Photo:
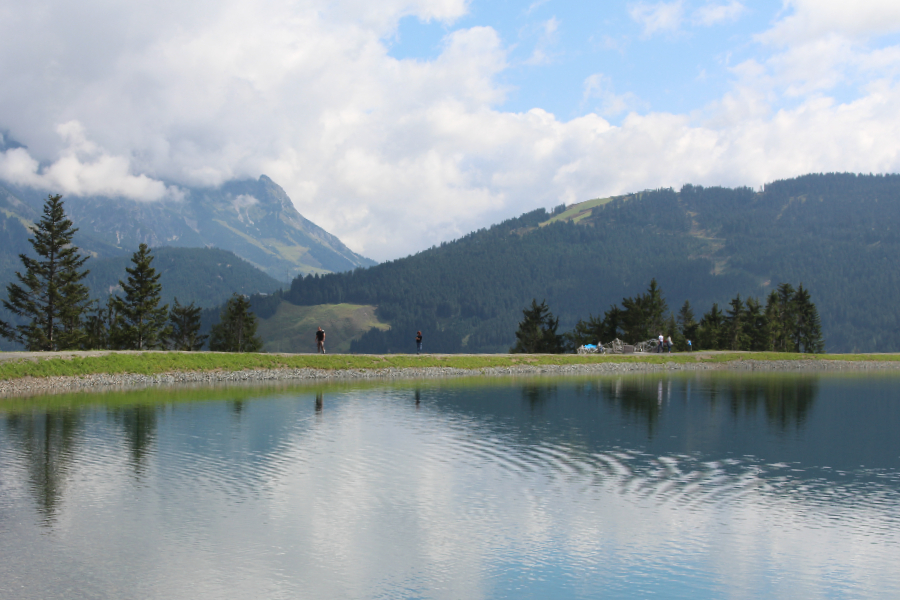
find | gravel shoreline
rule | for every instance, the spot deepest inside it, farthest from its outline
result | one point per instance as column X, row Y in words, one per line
column 98, row 382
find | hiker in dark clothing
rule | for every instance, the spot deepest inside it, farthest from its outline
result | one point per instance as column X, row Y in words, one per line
column 418, row 342
column 320, row 341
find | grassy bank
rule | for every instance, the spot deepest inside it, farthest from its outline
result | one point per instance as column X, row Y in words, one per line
column 151, row 363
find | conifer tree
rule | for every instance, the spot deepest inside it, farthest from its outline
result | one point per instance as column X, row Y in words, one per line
column 100, row 325
column 687, row 325
column 595, row 330
column 710, row 332
column 656, row 308
column 611, row 324
column 537, row 331
column 734, row 334
column 671, row 330
column 236, row 329
column 772, row 321
column 756, row 326
column 784, row 320
column 50, row 295
column 141, row 323
column 644, row 316
column 184, row 327
column 585, row 332
column 808, row 333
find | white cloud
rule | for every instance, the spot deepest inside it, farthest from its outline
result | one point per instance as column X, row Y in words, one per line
column 815, row 18
column 396, row 155
column 534, row 6
column 84, row 169
column 549, row 34
column 600, row 87
column 668, row 17
column 818, row 47
column 714, row 13
column 658, row 17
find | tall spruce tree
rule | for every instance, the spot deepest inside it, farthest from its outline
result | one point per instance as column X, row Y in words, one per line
column 808, row 333
column 141, row 323
column 184, row 327
column 772, row 322
column 756, row 326
column 735, row 332
column 687, row 324
column 644, row 316
column 710, row 331
column 537, row 331
column 236, row 329
column 51, row 297
column 784, row 319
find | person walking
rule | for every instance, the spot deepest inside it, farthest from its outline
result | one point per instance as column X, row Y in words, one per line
column 320, row 341
column 669, row 341
column 418, row 342
column 659, row 346
column 690, row 347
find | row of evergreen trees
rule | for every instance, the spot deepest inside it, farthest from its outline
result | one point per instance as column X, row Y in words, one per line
column 789, row 322
column 56, row 311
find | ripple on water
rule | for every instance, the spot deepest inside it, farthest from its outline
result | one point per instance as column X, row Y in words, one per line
column 369, row 497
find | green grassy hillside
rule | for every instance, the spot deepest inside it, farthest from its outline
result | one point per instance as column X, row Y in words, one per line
column 292, row 328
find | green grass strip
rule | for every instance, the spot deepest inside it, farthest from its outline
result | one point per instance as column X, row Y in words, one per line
column 152, row 363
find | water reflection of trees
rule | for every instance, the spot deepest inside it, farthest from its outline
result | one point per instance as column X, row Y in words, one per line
column 536, row 393
column 787, row 400
column 138, row 425
column 47, row 443
column 642, row 399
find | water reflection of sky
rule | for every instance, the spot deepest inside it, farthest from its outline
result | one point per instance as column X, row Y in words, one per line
column 694, row 487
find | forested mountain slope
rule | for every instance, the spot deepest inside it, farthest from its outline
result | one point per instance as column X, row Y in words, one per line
column 837, row 234
column 205, row 276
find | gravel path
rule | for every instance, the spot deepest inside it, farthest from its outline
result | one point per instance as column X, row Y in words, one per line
column 30, row 386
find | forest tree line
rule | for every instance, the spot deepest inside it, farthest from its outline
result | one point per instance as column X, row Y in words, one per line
column 55, row 311
column 787, row 322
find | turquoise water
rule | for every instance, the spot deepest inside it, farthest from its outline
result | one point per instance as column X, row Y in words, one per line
column 725, row 486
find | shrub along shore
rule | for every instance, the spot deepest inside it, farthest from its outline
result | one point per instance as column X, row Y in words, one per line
column 23, row 372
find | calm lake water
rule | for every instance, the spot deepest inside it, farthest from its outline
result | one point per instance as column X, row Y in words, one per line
column 706, row 486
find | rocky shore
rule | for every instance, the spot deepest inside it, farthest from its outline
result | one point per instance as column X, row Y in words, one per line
column 42, row 385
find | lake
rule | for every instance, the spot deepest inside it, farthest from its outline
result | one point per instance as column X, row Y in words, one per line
column 718, row 485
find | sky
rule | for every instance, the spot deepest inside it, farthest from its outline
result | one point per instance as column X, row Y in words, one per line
column 400, row 124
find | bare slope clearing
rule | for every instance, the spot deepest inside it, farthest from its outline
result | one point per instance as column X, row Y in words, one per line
column 579, row 211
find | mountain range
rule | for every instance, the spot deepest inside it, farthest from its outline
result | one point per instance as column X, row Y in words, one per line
column 255, row 219
column 837, row 234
